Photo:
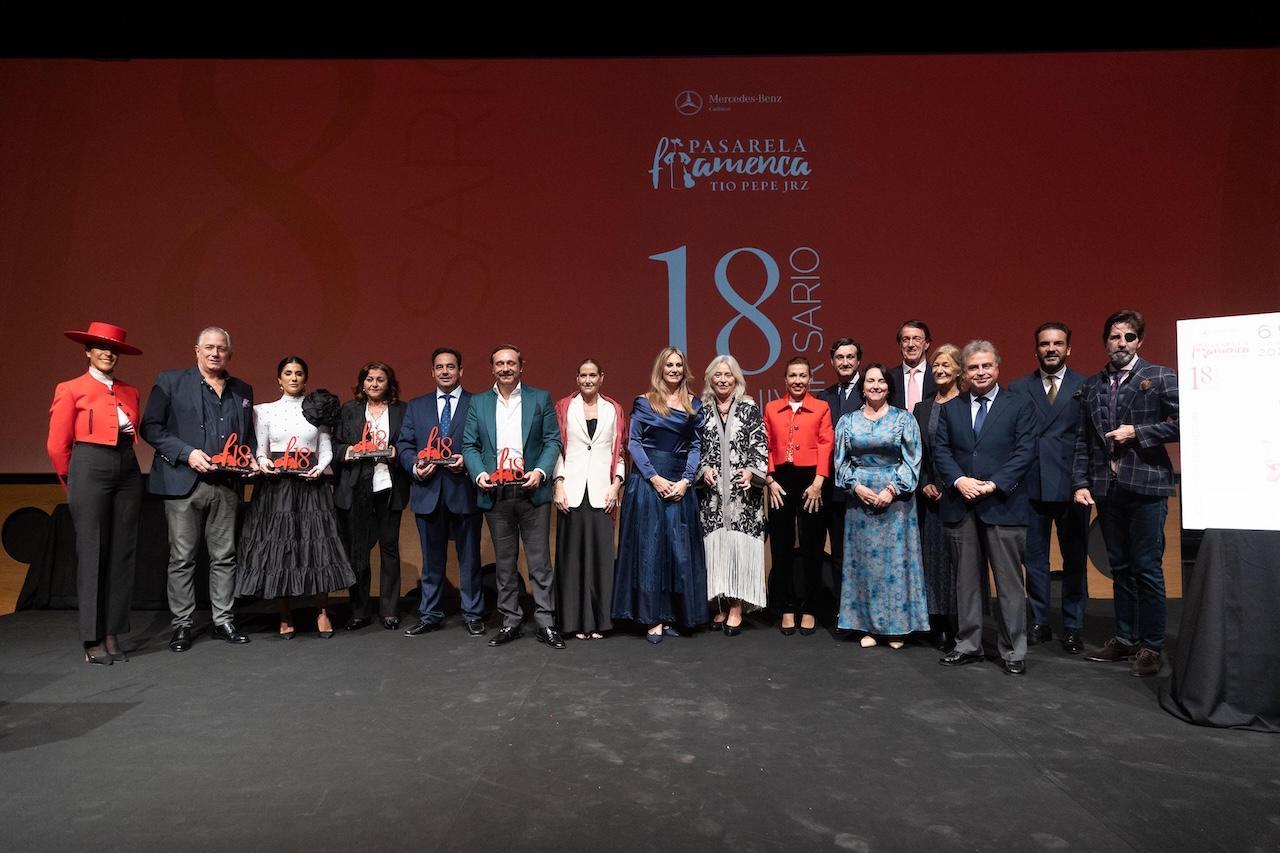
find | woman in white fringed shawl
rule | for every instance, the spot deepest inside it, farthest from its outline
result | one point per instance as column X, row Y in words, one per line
column 731, row 495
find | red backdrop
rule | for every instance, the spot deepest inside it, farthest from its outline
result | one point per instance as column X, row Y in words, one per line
column 348, row 211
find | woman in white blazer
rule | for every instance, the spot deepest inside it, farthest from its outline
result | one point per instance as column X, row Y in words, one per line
column 588, row 487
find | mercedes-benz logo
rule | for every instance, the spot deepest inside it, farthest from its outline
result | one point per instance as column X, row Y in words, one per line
column 688, row 103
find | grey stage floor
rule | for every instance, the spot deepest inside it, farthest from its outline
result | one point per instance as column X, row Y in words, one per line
column 762, row 742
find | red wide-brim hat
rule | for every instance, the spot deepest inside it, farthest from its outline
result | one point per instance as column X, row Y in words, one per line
column 105, row 333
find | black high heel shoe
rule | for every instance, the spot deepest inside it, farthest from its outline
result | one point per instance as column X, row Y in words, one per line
column 98, row 656
column 118, row 656
column 787, row 632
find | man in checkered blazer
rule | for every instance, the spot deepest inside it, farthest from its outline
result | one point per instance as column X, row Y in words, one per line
column 1129, row 414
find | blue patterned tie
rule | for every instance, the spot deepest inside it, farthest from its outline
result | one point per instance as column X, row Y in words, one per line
column 982, row 416
column 446, row 417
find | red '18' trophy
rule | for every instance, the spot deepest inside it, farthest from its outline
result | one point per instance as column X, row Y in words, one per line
column 234, row 456
column 510, row 468
column 372, row 444
column 294, row 459
column 439, row 449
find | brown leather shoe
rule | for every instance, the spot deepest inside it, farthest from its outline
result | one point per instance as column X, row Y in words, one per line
column 1146, row 663
column 1113, row 651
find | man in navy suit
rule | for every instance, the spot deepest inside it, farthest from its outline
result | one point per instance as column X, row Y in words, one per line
column 842, row 397
column 986, row 442
column 1054, row 389
column 912, row 380
column 1130, row 412
column 442, row 496
column 190, row 416
column 510, row 443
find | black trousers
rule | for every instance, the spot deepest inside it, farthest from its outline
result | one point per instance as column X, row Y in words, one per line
column 793, row 590
column 371, row 521
column 104, row 490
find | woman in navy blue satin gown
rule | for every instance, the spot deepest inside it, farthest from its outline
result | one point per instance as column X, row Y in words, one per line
column 661, row 574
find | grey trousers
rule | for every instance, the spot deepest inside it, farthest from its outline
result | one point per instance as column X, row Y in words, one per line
column 208, row 512
column 512, row 520
column 973, row 545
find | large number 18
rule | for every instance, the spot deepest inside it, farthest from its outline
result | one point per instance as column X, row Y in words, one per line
column 677, row 302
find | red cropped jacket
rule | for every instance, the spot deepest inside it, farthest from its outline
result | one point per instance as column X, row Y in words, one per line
column 85, row 410
column 807, row 433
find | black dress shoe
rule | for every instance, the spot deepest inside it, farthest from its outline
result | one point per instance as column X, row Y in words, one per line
column 1038, row 634
column 358, row 622
column 732, row 630
column 717, row 626
column 390, row 623
column 181, row 639
column 955, row 657
column 475, row 627
column 1071, row 641
column 506, row 634
column 551, row 637
column 422, row 628
column 1015, row 667
column 228, row 633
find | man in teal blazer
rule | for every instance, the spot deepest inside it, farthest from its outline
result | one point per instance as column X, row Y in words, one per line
column 510, row 444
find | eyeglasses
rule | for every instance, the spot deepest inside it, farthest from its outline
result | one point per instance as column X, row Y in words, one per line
column 1129, row 337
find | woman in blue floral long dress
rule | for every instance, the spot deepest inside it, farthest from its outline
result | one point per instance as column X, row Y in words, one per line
column 878, row 466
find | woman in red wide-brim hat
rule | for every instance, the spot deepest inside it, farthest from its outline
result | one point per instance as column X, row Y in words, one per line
column 93, row 425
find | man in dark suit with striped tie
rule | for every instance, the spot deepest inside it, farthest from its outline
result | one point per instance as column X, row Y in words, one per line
column 842, row 396
column 986, row 442
column 1122, row 467
column 1054, row 389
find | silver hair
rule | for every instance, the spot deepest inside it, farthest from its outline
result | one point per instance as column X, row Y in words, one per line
column 975, row 347
column 740, row 386
column 214, row 330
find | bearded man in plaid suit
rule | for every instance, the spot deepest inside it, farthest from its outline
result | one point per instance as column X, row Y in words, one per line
column 1121, row 465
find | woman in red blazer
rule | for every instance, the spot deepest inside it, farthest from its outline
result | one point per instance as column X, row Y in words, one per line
column 800, row 443
column 93, row 425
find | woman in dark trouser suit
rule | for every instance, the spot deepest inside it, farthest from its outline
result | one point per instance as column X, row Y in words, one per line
column 371, row 493
column 93, row 424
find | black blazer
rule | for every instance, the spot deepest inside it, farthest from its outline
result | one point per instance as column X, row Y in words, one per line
column 928, row 476
column 350, row 427
column 173, row 424
column 928, row 387
column 831, row 396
